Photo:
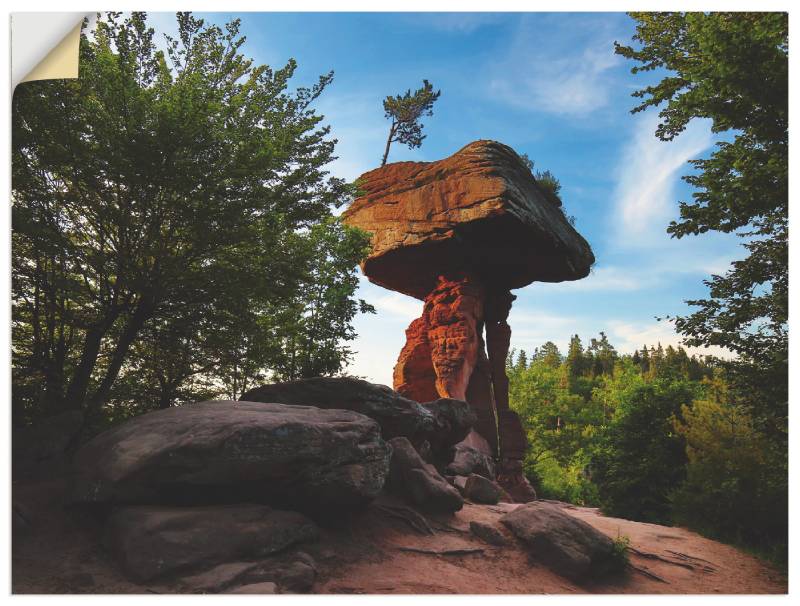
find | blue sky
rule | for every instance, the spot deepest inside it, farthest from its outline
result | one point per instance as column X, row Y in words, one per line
column 548, row 85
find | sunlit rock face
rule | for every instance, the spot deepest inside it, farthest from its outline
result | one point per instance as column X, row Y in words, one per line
column 460, row 234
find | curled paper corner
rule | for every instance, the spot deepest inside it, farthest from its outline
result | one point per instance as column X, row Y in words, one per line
column 45, row 46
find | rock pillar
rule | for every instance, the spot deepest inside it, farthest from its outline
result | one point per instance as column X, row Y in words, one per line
column 445, row 356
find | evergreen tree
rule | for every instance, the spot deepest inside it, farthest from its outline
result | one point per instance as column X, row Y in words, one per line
column 405, row 112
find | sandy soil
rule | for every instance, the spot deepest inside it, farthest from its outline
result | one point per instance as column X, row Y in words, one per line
column 376, row 552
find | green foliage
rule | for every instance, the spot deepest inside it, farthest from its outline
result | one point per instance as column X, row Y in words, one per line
column 405, row 112
column 733, row 69
column 641, row 459
column 620, row 554
column 735, row 486
column 172, row 226
column 657, row 436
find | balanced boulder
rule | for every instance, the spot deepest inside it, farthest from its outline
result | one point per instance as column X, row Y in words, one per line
column 151, row 541
column 297, row 457
column 566, row 544
column 460, row 234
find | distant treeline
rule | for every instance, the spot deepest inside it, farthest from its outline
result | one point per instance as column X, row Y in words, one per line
column 657, row 436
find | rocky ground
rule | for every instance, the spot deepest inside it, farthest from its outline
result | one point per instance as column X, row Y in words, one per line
column 366, row 492
column 381, row 550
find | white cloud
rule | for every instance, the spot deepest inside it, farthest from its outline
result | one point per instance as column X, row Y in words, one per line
column 630, row 336
column 541, row 75
column 607, row 278
column 397, row 305
column 649, row 171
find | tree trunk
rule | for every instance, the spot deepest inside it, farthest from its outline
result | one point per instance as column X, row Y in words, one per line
column 388, row 143
column 79, row 385
column 135, row 323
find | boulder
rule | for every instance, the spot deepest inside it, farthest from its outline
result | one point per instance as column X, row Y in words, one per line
column 296, row 574
column 469, row 460
column 216, row 579
column 442, row 422
column 151, row 541
column 454, row 420
column 293, row 456
column 418, row 482
column 569, row 546
column 256, row 588
column 460, row 482
column 293, row 573
column 480, row 209
column 397, row 415
column 488, row 533
column 482, row 490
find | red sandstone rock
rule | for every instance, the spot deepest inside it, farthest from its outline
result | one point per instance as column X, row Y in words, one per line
column 480, row 210
column 459, row 234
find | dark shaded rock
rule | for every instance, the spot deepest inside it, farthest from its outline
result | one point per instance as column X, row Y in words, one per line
column 454, row 420
column 397, row 415
column 482, row 490
column 293, row 456
column 419, row 483
column 256, row 588
column 21, row 519
column 80, row 581
column 149, row 541
column 469, row 460
column 291, row 573
column 460, row 482
column 217, row 578
column 488, row 533
column 569, row 546
column 437, row 425
column 513, row 480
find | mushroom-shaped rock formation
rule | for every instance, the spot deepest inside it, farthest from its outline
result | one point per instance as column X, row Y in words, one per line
column 460, row 234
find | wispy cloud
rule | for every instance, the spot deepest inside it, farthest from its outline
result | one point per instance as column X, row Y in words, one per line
column 461, row 23
column 630, row 336
column 566, row 75
column 398, row 306
column 608, row 278
column 649, row 173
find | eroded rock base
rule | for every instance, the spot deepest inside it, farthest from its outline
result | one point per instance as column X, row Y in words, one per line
column 458, row 349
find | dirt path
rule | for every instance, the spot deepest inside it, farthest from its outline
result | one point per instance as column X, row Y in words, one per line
column 375, row 552
column 664, row 560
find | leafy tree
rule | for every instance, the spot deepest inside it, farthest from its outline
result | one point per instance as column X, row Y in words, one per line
column 641, row 459
column 163, row 208
column 735, row 485
column 733, row 69
column 405, row 112
column 316, row 344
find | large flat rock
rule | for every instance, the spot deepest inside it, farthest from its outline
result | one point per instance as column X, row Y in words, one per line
column 397, row 416
column 479, row 210
column 153, row 541
column 442, row 423
column 295, row 456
